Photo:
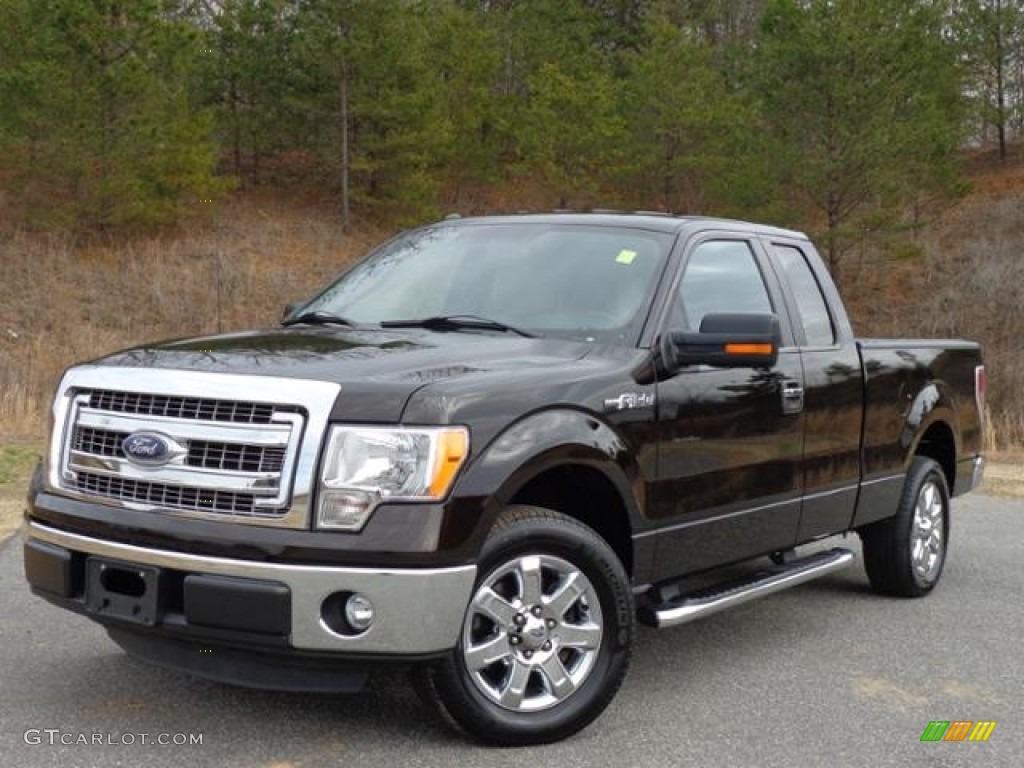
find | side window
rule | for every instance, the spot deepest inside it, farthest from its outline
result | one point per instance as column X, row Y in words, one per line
column 721, row 276
column 810, row 302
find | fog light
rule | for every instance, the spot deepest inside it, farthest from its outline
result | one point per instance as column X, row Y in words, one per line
column 359, row 612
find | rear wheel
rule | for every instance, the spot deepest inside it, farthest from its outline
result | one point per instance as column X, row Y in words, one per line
column 547, row 635
column 904, row 555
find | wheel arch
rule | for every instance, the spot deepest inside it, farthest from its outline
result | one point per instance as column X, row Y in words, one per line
column 568, row 461
column 930, row 429
column 938, row 442
column 585, row 493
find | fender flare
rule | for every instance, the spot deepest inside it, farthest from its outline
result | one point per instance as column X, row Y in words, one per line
column 544, row 440
column 932, row 404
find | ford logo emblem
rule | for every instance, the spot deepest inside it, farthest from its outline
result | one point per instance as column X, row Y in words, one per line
column 148, row 448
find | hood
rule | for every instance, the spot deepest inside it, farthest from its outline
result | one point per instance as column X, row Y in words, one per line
column 378, row 370
column 343, row 355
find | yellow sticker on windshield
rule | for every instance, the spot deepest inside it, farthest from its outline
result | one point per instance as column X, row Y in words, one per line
column 625, row 256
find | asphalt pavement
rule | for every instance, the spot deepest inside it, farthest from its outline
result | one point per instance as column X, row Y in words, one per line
column 825, row 674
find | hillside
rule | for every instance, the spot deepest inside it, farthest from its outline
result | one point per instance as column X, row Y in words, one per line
column 65, row 299
column 963, row 276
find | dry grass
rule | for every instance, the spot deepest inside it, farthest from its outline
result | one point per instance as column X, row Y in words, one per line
column 967, row 282
column 16, row 464
column 63, row 301
column 1004, row 477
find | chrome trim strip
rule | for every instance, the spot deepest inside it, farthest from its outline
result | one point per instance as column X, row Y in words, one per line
column 210, row 431
column 417, row 610
column 832, row 492
column 687, row 611
column 887, row 479
column 716, row 518
column 748, row 510
column 301, row 435
column 193, row 477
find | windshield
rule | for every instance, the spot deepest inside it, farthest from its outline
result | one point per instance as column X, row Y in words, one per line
column 569, row 281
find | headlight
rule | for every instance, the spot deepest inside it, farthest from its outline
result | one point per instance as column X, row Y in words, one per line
column 365, row 465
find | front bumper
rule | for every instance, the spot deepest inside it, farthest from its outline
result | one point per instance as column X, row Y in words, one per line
column 418, row 612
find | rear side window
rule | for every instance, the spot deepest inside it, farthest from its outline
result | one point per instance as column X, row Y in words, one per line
column 810, row 302
column 721, row 276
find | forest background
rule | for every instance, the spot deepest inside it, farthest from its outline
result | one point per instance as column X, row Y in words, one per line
column 177, row 167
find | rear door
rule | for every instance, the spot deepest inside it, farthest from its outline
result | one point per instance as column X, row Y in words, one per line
column 833, row 390
column 730, row 441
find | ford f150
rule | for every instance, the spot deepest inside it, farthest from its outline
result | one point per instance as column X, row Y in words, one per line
column 487, row 451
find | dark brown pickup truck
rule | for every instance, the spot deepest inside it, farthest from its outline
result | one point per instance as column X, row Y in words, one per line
column 489, row 449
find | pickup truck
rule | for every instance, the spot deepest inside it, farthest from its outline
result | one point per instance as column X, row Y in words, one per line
column 491, row 448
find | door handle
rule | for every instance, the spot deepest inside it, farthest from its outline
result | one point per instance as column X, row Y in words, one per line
column 792, row 397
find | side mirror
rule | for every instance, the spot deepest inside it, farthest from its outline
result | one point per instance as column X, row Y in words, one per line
column 724, row 341
column 290, row 307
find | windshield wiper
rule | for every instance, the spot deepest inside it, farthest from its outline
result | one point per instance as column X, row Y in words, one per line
column 456, row 322
column 318, row 317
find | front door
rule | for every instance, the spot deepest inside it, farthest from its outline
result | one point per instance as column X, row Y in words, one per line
column 730, row 452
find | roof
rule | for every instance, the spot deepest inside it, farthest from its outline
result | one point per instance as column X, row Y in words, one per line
column 658, row 222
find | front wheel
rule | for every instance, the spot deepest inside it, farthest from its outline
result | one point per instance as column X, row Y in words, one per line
column 547, row 634
column 904, row 555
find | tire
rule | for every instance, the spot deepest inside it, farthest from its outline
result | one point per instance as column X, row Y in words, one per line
column 547, row 635
column 904, row 555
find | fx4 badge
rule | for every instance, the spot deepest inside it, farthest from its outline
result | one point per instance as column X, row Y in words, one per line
column 629, row 400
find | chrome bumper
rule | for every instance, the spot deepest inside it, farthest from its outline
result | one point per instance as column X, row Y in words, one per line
column 418, row 611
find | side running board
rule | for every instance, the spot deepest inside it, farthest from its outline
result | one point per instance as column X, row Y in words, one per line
column 695, row 605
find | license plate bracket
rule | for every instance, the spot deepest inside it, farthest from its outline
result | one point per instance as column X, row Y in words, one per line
column 122, row 590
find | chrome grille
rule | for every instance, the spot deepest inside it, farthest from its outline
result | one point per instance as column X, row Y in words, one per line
column 99, row 442
column 202, row 454
column 225, row 457
column 166, row 495
column 241, row 448
column 191, row 408
column 241, row 458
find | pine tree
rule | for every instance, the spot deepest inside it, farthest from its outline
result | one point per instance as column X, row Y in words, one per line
column 861, row 99
column 991, row 35
column 98, row 126
column 693, row 138
column 377, row 101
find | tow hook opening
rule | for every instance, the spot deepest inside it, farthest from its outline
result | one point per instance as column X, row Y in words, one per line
column 121, row 581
